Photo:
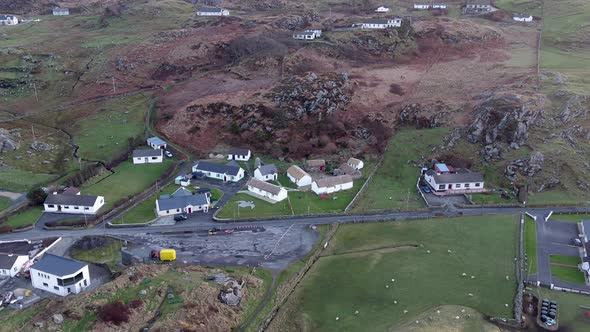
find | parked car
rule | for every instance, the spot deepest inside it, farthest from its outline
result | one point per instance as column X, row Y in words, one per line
column 214, row 231
column 426, row 189
column 576, row 242
column 168, row 154
column 180, row 217
column 550, row 321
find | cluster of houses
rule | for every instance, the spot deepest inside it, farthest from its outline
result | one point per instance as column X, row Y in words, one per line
column 57, row 11
column 8, row 20
column 430, row 5
column 212, row 11
column 48, row 272
column 443, row 179
column 584, row 231
column 309, row 34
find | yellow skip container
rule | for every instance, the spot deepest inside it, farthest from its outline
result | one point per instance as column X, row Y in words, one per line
column 167, row 254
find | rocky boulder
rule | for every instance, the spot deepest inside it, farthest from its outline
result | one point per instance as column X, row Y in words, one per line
column 7, row 141
column 526, row 168
column 503, row 118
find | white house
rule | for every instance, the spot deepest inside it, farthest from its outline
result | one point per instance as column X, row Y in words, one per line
column 584, row 231
column 239, row 154
column 522, row 17
column 443, row 179
column 355, row 163
column 382, row 9
column 421, row 5
column 268, row 190
column 309, row 34
column 73, row 203
column 60, row 275
column 183, row 201
column 439, row 5
column 156, row 143
column 298, row 176
column 212, row 11
column 10, row 264
column 478, row 6
column 218, row 171
column 267, row 173
column 8, row 20
column 61, row 11
column 332, row 184
column 148, row 156
column 379, row 23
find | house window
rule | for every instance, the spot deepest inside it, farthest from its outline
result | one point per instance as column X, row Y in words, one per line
column 478, row 184
column 55, row 287
column 45, row 284
column 76, row 208
column 86, row 208
column 467, row 185
column 66, row 207
column 85, row 283
column 177, row 210
column 154, row 158
column 50, row 206
column 441, row 186
column 457, row 185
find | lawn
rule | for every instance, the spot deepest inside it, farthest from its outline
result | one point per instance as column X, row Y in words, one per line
column 570, row 217
column 394, row 185
column 491, row 198
column 530, row 244
column 128, row 180
column 29, row 217
column 262, row 209
column 571, row 316
column 146, row 210
column 568, row 274
column 21, row 181
column 426, row 258
column 110, row 254
column 5, row 202
column 571, row 260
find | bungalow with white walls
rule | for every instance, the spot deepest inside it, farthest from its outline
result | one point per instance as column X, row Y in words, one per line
column 522, row 17
column 8, row 20
column 239, row 154
column 380, row 23
column 382, row 9
column 267, row 173
column 298, row 176
column 217, row 171
column 212, row 11
column 268, row 190
column 73, row 203
column 15, row 256
column 309, row 34
column 10, row 264
column 148, row 156
column 478, row 6
column 332, row 184
column 156, row 143
column 355, row 163
column 61, row 11
column 584, row 231
column 421, row 5
column 60, row 275
column 439, row 5
column 444, row 179
column 183, row 201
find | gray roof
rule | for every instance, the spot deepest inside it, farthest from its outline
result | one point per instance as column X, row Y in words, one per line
column 147, row 153
column 6, row 17
column 57, row 265
column 462, row 175
column 57, row 9
column 268, row 169
column 181, row 192
column 210, row 10
column 80, row 200
column 7, row 261
column 205, row 166
column 521, row 15
column 179, row 202
column 375, row 21
column 238, row 151
column 305, row 33
column 479, row 2
column 156, row 140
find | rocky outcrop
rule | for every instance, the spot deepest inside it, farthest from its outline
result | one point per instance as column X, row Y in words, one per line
column 231, row 294
column 503, row 118
column 292, row 22
column 527, row 168
column 576, row 106
column 8, row 141
column 424, row 116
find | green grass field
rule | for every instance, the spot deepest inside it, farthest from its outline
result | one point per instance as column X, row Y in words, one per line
column 128, row 180
column 570, row 217
column 357, row 270
column 530, row 244
column 571, row 260
column 568, row 274
column 571, row 315
column 5, row 202
column 394, row 185
column 110, row 254
column 29, row 217
column 21, row 181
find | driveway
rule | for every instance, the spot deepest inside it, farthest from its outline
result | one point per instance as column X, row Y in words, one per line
column 49, row 216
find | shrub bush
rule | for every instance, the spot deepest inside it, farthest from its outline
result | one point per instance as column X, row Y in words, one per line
column 116, row 313
column 6, row 229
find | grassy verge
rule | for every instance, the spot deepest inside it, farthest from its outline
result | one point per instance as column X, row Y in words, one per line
column 20, row 180
column 560, row 259
column 568, row 274
column 128, row 180
column 29, row 217
column 394, row 185
column 356, row 274
column 530, row 244
column 489, row 199
column 571, row 315
column 15, row 320
column 5, row 202
column 570, row 217
column 110, row 254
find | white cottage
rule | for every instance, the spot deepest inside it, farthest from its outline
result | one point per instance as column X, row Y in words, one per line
column 148, row 156
column 73, row 203
column 298, row 176
column 212, row 11
column 421, row 5
column 10, row 264
column 379, row 23
column 8, row 20
column 355, row 163
column 307, row 34
column 156, row 143
column 439, row 5
column 16, row 256
column 522, row 17
column 223, row 172
column 332, row 184
column 183, row 201
column 478, row 6
column 268, row 190
column 239, row 154
column 60, row 275
column 382, row 9
column 453, row 181
column 267, row 173
column 61, row 11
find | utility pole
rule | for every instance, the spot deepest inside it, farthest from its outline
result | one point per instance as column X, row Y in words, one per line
column 114, row 87
column 35, row 88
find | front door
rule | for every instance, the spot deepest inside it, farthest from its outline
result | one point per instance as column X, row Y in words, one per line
column 59, row 208
column 189, row 209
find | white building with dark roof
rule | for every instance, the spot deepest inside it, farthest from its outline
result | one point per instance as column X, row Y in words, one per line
column 60, row 275
column 156, row 143
column 355, row 163
column 478, row 6
column 267, row 190
column 309, row 34
column 522, row 17
column 8, row 20
column 224, row 172
column 239, row 154
column 212, row 11
column 73, row 203
column 148, row 156
column 16, row 256
column 382, row 9
column 61, row 11
column 332, row 184
column 267, row 173
column 380, row 23
column 10, row 264
column 443, row 179
column 421, row 5
column 183, row 201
